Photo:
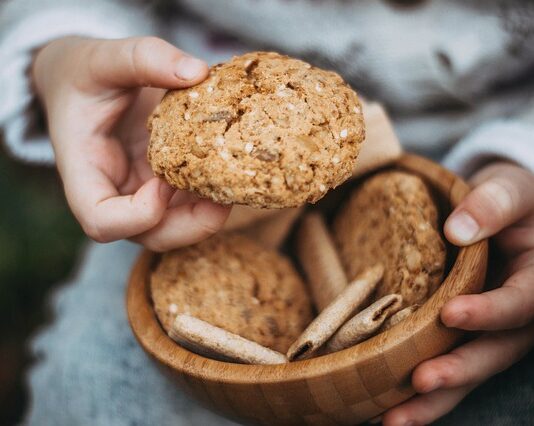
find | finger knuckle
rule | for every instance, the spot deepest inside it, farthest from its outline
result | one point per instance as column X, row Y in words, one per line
column 205, row 226
column 497, row 197
column 93, row 53
column 480, row 310
column 453, row 369
column 481, row 304
column 155, row 246
column 140, row 52
column 524, row 260
column 148, row 44
column 149, row 215
column 206, row 229
column 93, row 231
column 523, row 311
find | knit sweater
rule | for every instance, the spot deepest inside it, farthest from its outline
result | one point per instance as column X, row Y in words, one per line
column 456, row 77
column 451, row 73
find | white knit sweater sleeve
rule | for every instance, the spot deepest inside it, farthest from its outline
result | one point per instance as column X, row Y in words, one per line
column 510, row 139
column 28, row 24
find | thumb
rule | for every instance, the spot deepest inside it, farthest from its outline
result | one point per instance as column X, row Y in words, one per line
column 143, row 62
column 502, row 196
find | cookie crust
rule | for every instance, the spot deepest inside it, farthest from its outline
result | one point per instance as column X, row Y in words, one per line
column 263, row 130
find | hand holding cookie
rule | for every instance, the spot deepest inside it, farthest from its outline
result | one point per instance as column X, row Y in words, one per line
column 97, row 128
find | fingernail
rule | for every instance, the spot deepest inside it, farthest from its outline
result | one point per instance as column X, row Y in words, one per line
column 165, row 191
column 463, row 227
column 189, row 68
column 436, row 384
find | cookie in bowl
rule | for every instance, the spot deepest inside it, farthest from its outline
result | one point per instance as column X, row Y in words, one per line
column 233, row 283
column 392, row 218
column 350, row 385
column 263, row 129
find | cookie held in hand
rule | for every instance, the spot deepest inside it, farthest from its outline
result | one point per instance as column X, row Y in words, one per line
column 236, row 284
column 263, row 130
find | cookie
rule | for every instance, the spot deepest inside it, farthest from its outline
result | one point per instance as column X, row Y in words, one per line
column 263, row 130
column 233, row 283
column 319, row 260
column 214, row 342
column 365, row 323
column 391, row 218
column 335, row 314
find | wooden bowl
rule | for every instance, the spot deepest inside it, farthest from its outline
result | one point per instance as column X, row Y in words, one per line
column 342, row 388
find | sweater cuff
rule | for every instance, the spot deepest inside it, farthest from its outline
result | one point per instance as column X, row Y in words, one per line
column 506, row 139
column 18, row 113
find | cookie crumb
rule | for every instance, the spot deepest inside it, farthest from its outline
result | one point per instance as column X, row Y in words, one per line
column 187, row 116
column 249, row 146
column 199, row 140
column 225, row 155
column 209, row 89
column 335, row 159
column 343, row 134
column 275, row 180
column 173, row 308
column 219, row 140
column 266, row 155
column 194, row 95
column 250, row 172
column 413, row 260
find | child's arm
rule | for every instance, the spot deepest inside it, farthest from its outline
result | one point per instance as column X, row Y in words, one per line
column 501, row 204
column 27, row 25
column 97, row 97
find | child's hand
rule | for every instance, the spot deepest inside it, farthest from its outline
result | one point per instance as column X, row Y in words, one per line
column 97, row 98
column 501, row 204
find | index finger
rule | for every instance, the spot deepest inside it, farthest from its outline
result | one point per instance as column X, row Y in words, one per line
column 104, row 214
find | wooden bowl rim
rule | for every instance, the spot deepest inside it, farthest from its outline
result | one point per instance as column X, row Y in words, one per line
column 155, row 341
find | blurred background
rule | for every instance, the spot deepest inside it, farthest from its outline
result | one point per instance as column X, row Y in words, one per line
column 39, row 243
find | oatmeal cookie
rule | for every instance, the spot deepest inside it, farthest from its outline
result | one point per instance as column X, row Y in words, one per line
column 263, row 129
column 392, row 218
column 233, row 283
